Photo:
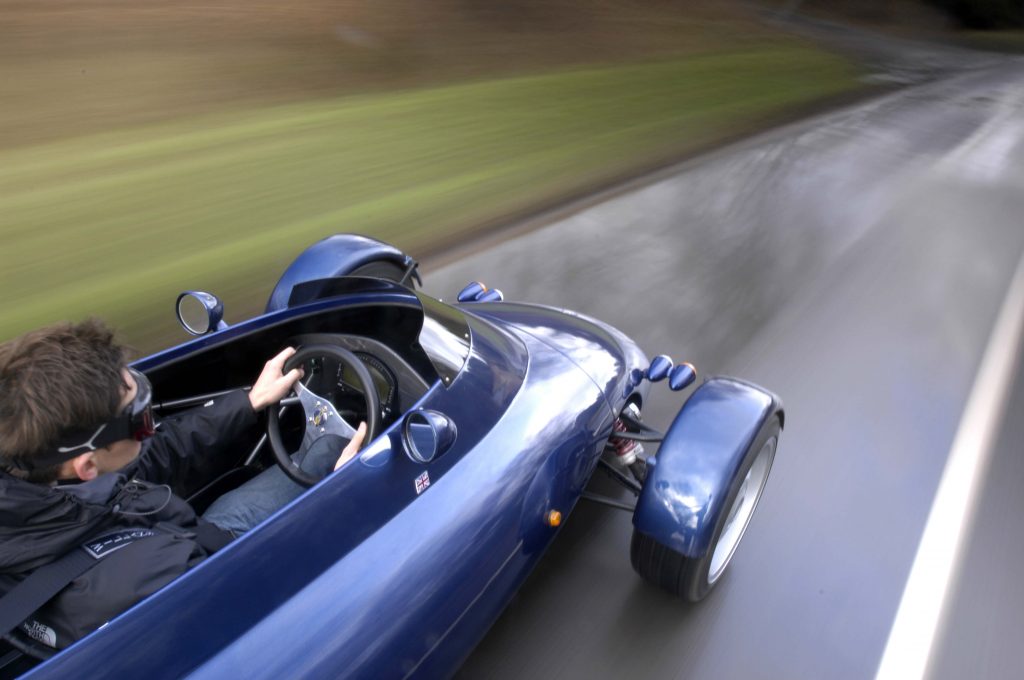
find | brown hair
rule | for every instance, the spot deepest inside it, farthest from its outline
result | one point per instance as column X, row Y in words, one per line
column 54, row 379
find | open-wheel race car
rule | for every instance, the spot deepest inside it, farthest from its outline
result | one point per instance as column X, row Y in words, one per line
column 486, row 419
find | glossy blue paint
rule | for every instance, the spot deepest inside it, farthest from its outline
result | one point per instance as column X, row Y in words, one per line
column 681, row 377
column 603, row 352
column 659, row 368
column 471, row 291
column 685, row 490
column 336, row 255
column 362, row 575
column 413, row 598
column 369, row 574
column 492, row 295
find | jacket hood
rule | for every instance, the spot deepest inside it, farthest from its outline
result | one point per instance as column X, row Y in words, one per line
column 40, row 522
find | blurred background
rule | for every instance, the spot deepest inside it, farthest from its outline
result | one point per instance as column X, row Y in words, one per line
column 152, row 147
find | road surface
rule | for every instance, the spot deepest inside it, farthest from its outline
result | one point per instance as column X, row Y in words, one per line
column 855, row 264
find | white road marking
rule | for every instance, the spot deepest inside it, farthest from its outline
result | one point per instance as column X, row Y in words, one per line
column 921, row 613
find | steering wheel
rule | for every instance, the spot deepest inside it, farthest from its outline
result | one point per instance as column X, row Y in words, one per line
column 321, row 417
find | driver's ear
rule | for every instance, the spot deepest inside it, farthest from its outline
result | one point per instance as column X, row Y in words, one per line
column 84, row 466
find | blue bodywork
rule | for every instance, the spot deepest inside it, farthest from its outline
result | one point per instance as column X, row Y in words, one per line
column 686, row 488
column 370, row 575
column 337, row 255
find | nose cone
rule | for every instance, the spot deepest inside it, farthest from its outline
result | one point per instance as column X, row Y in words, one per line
column 604, row 353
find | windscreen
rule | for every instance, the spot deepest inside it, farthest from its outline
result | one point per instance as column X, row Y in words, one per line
column 445, row 337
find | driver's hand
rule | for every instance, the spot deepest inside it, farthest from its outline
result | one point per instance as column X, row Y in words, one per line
column 273, row 385
column 353, row 446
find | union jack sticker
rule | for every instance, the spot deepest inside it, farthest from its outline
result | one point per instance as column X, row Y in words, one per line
column 422, row 482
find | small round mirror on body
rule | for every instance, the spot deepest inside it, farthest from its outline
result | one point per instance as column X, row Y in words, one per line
column 427, row 435
column 199, row 312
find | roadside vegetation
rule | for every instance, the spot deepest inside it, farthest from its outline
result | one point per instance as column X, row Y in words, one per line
column 1011, row 41
column 146, row 149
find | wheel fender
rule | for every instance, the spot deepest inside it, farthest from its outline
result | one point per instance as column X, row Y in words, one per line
column 685, row 490
column 336, row 255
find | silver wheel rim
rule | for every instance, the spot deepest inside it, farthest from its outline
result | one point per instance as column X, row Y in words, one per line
column 741, row 510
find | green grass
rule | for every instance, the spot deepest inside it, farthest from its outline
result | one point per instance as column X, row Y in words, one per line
column 116, row 224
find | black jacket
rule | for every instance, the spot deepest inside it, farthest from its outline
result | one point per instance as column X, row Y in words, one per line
column 148, row 534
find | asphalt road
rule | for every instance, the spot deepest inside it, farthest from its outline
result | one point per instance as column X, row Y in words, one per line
column 854, row 264
column 986, row 612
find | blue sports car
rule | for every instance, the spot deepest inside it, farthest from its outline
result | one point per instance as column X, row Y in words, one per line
column 487, row 419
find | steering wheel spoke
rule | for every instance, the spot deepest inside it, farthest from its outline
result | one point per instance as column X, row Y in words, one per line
column 321, row 416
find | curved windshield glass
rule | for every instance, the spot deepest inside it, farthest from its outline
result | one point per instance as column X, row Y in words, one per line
column 445, row 337
column 443, row 341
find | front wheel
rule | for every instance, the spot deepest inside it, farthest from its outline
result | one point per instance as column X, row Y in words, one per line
column 693, row 577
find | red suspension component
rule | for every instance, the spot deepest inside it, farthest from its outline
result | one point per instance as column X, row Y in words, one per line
column 625, row 449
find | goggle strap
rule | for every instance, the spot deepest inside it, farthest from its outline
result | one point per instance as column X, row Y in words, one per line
column 135, row 423
column 77, row 442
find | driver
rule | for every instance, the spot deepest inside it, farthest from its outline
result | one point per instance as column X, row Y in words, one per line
column 82, row 463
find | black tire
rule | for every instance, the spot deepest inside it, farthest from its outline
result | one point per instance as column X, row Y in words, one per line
column 639, row 470
column 688, row 577
column 382, row 269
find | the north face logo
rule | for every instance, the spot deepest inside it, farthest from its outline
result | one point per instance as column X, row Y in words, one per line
column 40, row 633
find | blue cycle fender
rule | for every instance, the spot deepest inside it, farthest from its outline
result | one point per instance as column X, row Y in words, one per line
column 686, row 489
column 336, row 255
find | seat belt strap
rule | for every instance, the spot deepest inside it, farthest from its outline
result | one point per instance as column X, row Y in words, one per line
column 40, row 586
column 44, row 583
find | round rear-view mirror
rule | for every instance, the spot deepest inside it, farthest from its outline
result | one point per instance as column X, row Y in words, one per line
column 427, row 435
column 199, row 312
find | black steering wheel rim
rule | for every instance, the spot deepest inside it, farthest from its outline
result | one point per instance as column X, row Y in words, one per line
column 346, row 358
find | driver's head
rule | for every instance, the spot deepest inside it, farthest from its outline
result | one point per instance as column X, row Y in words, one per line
column 54, row 383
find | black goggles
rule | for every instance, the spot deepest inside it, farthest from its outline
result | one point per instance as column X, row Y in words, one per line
column 134, row 422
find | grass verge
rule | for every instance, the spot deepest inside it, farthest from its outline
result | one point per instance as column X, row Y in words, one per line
column 117, row 224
